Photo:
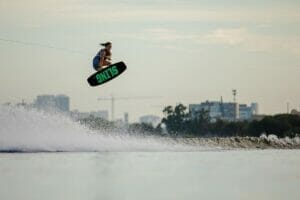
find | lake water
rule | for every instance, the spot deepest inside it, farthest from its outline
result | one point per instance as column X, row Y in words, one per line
column 226, row 175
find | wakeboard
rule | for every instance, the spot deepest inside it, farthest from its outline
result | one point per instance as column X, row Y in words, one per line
column 106, row 74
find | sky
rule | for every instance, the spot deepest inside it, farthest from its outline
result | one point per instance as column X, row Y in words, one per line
column 176, row 51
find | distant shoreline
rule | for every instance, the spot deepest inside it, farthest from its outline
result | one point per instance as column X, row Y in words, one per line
column 224, row 143
column 263, row 142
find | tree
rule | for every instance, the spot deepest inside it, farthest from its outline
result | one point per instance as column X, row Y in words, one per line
column 175, row 119
column 200, row 124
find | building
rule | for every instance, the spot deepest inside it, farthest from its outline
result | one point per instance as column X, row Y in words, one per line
column 230, row 111
column 248, row 112
column 245, row 112
column 81, row 115
column 150, row 119
column 295, row 112
column 254, row 107
column 216, row 110
column 225, row 111
column 60, row 103
column 213, row 107
column 45, row 102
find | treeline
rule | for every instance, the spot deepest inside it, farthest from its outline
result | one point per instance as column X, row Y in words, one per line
column 179, row 122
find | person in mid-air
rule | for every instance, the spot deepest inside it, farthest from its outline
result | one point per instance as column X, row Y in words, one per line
column 103, row 57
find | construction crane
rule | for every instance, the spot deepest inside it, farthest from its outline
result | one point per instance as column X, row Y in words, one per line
column 113, row 99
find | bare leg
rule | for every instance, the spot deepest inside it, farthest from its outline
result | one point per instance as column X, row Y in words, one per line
column 99, row 68
column 106, row 63
column 103, row 65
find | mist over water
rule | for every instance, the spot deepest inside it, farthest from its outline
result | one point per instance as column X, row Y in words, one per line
column 30, row 130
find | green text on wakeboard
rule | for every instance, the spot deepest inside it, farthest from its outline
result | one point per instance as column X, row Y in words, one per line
column 107, row 74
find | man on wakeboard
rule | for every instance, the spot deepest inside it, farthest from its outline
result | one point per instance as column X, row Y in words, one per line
column 103, row 57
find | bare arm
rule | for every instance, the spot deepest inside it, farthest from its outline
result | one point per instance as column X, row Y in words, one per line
column 102, row 58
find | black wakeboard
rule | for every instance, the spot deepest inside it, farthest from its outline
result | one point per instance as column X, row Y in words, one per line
column 106, row 74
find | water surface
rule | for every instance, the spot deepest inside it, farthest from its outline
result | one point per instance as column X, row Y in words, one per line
column 269, row 174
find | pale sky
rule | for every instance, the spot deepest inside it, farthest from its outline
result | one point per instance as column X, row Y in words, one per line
column 184, row 51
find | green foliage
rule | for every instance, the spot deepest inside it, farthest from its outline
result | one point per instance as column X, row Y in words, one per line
column 179, row 122
column 200, row 124
column 281, row 125
column 175, row 119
